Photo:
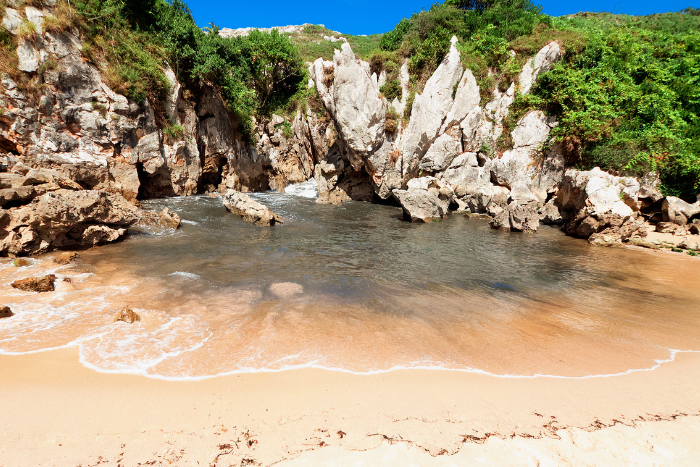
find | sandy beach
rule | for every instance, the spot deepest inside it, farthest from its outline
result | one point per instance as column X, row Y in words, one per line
column 55, row 412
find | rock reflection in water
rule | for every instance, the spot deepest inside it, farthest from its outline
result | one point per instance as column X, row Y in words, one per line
column 355, row 288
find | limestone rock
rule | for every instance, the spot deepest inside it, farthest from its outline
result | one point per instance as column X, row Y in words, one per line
column 678, row 211
column 352, row 98
column 24, row 194
column 66, row 258
column 36, row 284
column 441, row 154
column 165, row 219
column 127, row 315
column 5, row 312
column 250, row 210
column 466, row 100
column 29, row 57
column 594, row 201
column 65, row 219
column 427, row 199
column 430, row 109
column 543, row 61
column 12, row 21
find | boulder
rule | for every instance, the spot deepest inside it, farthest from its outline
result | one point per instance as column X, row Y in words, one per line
column 65, row 219
column 250, row 210
column 126, row 315
column 66, row 258
column 12, row 21
column 441, row 154
column 20, row 263
column 36, row 284
column 11, row 197
column 165, row 219
column 426, row 199
column 593, row 202
column 678, row 211
column 5, row 312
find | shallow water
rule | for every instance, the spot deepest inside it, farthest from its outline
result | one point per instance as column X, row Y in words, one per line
column 356, row 288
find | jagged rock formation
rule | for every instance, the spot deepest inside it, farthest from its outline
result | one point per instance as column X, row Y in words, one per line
column 76, row 125
column 444, row 139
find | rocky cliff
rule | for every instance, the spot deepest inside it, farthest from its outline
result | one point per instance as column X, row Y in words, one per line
column 442, row 159
column 65, row 120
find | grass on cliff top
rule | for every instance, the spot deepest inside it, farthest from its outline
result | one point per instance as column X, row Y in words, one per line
column 312, row 45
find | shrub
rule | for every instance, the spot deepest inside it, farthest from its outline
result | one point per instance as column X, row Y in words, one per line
column 174, row 131
column 409, row 105
column 392, row 90
column 392, row 120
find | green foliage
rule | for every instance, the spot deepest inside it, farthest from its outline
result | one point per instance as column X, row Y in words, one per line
column 286, row 129
column 174, row 131
column 392, row 40
column 409, row 105
column 392, row 120
column 631, row 95
column 392, row 90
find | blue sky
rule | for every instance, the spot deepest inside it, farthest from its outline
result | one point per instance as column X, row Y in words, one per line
column 377, row 16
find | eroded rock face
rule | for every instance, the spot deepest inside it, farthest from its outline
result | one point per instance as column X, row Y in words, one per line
column 65, row 219
column 250, row 210
column 430, row 109
column 678, row 211
column 543, row 61
column 352, row 98
column 36, row 284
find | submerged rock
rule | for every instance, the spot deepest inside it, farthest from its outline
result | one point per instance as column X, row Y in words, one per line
column 166, row 219
column 36, row 284
column 250, row 210
column 20, row 262
column 66, row 258
column 286, row 289
column 127, row 315
column 5, row 312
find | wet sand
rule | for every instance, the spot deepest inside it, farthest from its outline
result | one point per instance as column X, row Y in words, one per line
column 57, row 412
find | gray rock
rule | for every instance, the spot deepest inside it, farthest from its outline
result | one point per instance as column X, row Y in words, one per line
column 441, row 154
column 65, row 219
column 250, row 210
column 430, row 109
column 678, row 211
column 427, row 199
column 466, row 100
column 12, row 21
column 29, row 57
column 543, row 61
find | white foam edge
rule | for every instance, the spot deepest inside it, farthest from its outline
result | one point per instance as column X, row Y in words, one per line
column 316, row 366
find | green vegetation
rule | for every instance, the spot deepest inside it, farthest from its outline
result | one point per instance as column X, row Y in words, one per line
column 134, row 41
column 174, row 131
column 312, row 45
column 626, row 94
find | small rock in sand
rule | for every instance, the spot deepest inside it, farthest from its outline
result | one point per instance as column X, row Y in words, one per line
column 36, row 284
column 286, row 289
column 66, row 258
column 127, row 315
column 5, row 312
